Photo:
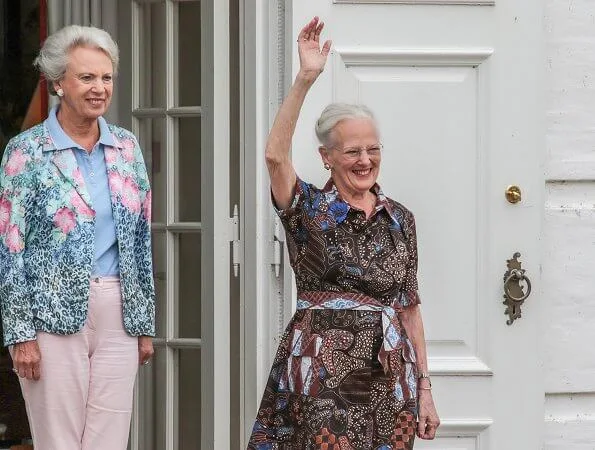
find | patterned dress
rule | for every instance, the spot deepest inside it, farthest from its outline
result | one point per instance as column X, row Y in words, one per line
column 344, row 376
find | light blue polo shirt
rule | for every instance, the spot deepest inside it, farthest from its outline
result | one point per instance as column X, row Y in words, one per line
column 94, row 171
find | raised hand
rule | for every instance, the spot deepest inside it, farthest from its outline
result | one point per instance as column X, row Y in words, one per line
column 312, row 56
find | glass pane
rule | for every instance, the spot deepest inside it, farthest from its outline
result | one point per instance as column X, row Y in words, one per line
column 189, row 54
column 152, row 141
column 153, row 402
column 188, row 170
column 189, row 285
column 152, row 54
column 160, row 275
column 189, row 400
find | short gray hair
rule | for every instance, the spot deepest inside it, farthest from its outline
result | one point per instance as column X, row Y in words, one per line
column 53, row 56
column 335, row 113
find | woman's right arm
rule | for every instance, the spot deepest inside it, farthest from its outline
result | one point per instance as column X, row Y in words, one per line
column 15, row 203
column 312, row 61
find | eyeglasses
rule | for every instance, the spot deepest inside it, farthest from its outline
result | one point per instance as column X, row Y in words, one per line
column 355, row 153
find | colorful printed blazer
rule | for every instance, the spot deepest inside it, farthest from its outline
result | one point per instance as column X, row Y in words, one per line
column 47, row 225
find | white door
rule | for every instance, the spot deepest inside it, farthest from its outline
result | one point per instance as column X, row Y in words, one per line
column 456, row 86
column 180, row 109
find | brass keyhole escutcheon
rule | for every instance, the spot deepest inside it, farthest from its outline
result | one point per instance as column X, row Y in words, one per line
column 514, row 293
column 513, row 194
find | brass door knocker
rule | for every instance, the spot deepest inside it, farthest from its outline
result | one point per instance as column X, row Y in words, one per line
column 514, row 296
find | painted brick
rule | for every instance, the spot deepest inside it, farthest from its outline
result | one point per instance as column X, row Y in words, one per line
column 570, row 422
column 570, row 35
column 569, row 227
column 570, row 435
column 567, row 298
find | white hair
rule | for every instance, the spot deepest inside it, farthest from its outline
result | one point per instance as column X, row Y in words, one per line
column 53, row 56
column 335, row 113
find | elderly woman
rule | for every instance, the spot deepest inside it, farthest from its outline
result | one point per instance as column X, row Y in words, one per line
column 76, row 283
column 351, row 370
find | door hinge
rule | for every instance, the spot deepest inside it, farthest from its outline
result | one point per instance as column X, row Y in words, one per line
column 275, row 256
column 234, row 238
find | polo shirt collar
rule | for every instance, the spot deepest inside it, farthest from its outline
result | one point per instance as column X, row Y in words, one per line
column 63, row 142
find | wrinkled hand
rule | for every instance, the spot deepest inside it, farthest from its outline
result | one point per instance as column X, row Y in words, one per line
column 26, row 360
column 428, row 421
column 145, row 349
column 312, row 57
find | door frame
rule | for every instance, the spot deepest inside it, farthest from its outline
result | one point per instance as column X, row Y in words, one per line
column 263, row 80
column 216, row 275
column 266, row 54
column 214, row 112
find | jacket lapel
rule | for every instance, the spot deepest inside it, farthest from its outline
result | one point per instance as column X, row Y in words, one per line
column 65, row 162
column 114, row 177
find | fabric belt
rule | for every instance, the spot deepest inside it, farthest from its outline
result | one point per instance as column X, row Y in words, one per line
column 395, row 342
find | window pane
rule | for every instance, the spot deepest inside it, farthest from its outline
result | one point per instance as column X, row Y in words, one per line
column 152, row 54
column 188, row 170
column 23, row 102
column 189, row 54
column 153, row 402
column 152, row 141
column 189, row 276
column 160, row 275
column 189, row 400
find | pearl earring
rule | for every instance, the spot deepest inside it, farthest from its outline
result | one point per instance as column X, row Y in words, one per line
column 60, row 92
column 327, row 166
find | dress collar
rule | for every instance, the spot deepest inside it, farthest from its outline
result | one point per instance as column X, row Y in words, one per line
column 330, row 189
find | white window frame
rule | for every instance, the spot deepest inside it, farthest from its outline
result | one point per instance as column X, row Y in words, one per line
column 214, row 341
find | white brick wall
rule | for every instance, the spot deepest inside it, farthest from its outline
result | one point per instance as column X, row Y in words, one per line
column 569, row 227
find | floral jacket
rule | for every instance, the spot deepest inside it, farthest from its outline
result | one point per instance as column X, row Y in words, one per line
column 47, row 236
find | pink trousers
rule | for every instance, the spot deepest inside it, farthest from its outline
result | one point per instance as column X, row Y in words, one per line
column 83, row 400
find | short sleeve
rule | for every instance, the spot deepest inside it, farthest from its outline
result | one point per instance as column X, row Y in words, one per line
column 297, row 217
column 296, row 206
column 409, row 291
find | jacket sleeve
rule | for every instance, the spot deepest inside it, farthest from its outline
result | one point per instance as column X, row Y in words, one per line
column 142, row 241
column 16, row 202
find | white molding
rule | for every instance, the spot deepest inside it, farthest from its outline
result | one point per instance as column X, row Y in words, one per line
column 259, row 27
column 483, row 231
column 215, row 258
column 463, row 427
column 458, row 366
column 468, row 364
column 386, row 56
column 278, row 78
column 422, row 2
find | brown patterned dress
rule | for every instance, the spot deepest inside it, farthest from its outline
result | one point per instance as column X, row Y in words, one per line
column 344, row 376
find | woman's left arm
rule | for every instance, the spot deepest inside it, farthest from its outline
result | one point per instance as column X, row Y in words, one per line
column 144, row 257
column 428, row 420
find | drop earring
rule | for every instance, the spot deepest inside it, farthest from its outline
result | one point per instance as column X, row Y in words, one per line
column 60, row 92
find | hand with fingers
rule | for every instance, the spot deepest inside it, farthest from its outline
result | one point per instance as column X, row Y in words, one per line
column 428, row 421
column 312, row 56
column 145, row 350
column 26, row 360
